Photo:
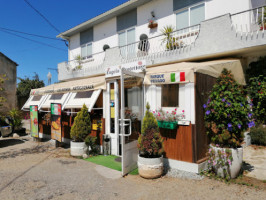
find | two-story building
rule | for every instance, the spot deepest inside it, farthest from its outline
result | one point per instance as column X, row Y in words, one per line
column 176, row 50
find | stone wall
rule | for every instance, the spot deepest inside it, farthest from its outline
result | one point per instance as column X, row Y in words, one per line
column 9, row 68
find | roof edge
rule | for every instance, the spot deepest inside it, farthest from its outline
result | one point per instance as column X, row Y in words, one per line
column 8, row 58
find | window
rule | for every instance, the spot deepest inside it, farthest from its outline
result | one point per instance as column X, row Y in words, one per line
column 83, row 95
column 36, row 98
column 170, row 95
column 56, row 96
column 86, row 39
column 127, row 37
column 86, row 51
column 190, row 16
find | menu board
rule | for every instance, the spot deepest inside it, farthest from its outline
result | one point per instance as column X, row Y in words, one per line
column 34, row 129
column 56, row 131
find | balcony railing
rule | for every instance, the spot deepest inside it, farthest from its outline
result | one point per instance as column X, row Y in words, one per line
column 249, row 22
column 160, row 46
column 83, row 67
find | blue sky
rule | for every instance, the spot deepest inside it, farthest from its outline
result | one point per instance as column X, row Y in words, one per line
column 63, row 14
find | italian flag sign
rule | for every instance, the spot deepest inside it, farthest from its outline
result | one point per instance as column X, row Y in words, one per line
column 178, row 77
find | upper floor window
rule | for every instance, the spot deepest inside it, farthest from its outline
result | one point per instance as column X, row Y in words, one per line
column 86, row 39
column 190, row 16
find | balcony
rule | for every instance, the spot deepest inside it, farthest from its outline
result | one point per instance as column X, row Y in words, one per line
column 80, row 68
column 238, row 35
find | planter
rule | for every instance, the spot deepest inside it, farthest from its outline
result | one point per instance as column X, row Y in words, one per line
column 150, row 168
column 77, row 148
column 153, row 25
column 167, row 125
column 236, row 165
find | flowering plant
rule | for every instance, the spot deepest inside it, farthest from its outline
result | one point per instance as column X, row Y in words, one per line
column 167, row 116
column 227, row 113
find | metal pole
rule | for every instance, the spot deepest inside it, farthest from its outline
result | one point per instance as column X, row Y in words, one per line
column 122, row 119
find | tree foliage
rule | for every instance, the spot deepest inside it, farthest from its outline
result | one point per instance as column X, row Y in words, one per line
column 82, row 125
column 26, row 84
column 150, row 142
column 227, row 112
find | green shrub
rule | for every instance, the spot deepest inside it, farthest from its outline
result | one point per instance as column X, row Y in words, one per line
column 90, row 141
column 227, row 112
column 258, row 135
column 82, row 125
column 16, row 116
column 150, row 142
column 257, row 94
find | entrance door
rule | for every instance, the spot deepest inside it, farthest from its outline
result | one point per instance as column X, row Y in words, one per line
column 131, row 112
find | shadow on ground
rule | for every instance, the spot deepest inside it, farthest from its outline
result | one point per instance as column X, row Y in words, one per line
column 10, row 142
column 247, row 167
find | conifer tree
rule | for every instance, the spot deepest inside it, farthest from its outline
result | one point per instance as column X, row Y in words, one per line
column 150, row 142
column 82, row 125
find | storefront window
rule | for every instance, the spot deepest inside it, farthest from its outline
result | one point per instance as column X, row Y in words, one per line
column 36, row 98
column 170, row 94
column 83, row 95
column 56, row 96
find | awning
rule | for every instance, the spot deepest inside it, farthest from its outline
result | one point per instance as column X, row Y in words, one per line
column 54, row 98
column 184, row 72
column 93, row 83
column 34, row 100
column 78, row 99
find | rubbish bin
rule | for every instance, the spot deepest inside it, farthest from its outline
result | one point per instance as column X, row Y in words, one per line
column 106, row 145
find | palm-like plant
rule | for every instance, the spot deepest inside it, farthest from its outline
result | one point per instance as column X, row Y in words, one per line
column 171, row 42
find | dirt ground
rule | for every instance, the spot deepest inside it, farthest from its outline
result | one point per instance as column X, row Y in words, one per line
column 32, row 170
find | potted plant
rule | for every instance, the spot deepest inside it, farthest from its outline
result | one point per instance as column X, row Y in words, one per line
column 227, row 116
column 79, row 131
column 152, row 24
column 168, row 120
column 171, row 43
column 150, row 145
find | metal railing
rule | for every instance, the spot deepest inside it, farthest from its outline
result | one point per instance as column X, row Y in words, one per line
column 249, row 22
column 82, row 67
column 161, row 45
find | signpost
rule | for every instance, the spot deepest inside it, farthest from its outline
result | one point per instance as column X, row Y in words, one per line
column 56, row 119
column 34, row 129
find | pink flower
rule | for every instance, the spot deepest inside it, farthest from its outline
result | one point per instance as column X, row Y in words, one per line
column 209, row 161
column 167, row 112
column 183, row 110
column 210, row 150
column 175, row 112
column 175, row 109
column 229, row 162
column 153, row 112
column 214, row 163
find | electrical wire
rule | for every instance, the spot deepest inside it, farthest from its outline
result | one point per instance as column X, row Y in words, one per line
column 37, row 11
column 41, row 36
column 45, row 44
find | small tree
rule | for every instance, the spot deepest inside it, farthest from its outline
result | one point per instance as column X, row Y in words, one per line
column 82, row 125
column 16, row 117
column 150, row 142
column 227, row 112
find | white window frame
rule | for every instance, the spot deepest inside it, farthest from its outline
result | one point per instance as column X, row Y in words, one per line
column 126, row 31
column 86, row 45
column 189, row 8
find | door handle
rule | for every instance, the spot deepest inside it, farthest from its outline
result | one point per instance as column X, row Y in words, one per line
column 124, row 124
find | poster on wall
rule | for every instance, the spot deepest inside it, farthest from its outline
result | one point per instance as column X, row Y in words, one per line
column 34, row 129
column 56, row 132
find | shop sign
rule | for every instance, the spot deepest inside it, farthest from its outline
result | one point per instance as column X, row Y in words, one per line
column 157, row 79
column 96, row 124
column 56, row 125
column 138, row 67
column 34, row 129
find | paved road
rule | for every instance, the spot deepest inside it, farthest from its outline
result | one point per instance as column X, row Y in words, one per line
column 31, row 170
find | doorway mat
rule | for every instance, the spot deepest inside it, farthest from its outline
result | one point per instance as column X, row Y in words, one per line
column 109, row 162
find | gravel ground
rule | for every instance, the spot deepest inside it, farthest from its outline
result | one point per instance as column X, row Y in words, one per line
column 31, row 170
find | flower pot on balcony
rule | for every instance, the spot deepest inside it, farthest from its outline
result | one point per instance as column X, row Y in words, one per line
column 153, row 25
column 167, row 125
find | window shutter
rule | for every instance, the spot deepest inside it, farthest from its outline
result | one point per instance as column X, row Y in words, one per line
column 179, row 4
column 86, row 36
column 127, row 20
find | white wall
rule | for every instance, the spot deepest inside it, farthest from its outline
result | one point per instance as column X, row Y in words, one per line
column 186, row 100
column 105, row 33
column 214, row 8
